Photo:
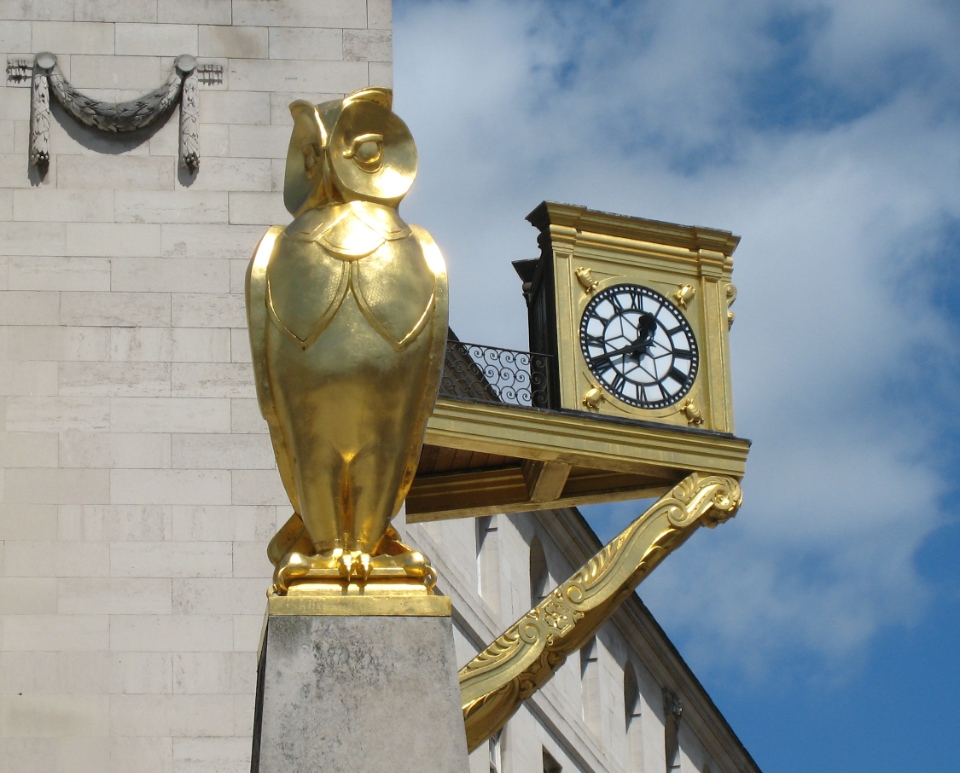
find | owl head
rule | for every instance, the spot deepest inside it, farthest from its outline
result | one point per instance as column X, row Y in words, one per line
column 348, row 149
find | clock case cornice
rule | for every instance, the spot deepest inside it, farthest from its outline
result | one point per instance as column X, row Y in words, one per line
column 557, row 221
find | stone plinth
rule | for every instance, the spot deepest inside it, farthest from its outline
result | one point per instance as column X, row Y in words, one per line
column 358, row 694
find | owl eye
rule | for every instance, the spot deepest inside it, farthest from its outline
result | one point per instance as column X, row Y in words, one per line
column 366, row 151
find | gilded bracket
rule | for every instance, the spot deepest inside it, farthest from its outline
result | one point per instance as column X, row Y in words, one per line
column 526, row 656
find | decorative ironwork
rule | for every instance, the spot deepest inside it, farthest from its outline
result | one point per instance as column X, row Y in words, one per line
column 493, row 375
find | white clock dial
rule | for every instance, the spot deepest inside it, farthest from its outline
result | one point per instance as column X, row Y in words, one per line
column 639, row 346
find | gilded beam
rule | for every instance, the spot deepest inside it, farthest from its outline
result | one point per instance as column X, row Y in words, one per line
column 545, row 480
column 583, row 440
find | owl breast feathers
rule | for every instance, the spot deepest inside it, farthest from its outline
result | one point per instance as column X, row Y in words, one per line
column 357, row 248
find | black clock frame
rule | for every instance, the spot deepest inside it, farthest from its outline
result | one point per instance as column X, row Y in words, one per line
column 651, row 328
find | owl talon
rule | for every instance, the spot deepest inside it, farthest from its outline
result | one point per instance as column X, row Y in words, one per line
column 364, row 562
column 352, row 564
column 345, row 564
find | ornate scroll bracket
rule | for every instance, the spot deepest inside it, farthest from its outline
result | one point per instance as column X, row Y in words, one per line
column 525, row 656
column 181, row 86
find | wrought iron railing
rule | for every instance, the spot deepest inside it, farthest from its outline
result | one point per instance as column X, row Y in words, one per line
column 493, row 375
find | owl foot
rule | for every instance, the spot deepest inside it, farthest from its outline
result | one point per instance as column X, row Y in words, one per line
column 293, row 566
column 393, row 561
column 349, row 565
column 413, row 563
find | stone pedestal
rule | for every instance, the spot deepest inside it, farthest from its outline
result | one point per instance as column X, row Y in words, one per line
column 358, row 693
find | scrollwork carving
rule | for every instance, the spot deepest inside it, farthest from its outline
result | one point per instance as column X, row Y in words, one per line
column 672, row 704
column 525, row 657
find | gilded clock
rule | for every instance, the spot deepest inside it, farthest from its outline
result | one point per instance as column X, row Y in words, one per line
column 634, row 315
column 639, row 346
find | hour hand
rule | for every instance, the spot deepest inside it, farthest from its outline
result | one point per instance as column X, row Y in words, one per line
column 604, row 359
column 639, row 346
column 646, row 330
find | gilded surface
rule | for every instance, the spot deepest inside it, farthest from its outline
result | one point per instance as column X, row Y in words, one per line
column 347, row 310
column 380, row 605
column 590, row 251
column 525, row 657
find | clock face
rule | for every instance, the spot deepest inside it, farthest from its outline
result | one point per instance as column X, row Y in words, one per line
column 639, row 346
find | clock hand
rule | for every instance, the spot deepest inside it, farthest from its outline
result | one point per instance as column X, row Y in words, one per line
column 646, row 330
column 630, row 349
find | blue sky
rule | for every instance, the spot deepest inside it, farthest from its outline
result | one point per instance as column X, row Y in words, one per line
column 824, row 619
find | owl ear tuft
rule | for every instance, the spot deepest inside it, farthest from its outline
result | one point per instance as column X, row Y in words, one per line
column 376, row 94
column 308, row 130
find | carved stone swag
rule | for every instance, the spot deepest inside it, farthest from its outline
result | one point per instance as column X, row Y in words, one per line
column 115, row 117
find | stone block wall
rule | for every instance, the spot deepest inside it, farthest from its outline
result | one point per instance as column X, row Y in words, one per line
column 138, row 489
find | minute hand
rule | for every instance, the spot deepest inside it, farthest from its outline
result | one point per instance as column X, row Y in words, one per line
column 607, row 356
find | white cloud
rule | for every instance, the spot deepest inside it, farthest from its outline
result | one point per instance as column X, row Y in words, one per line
column 843, row 363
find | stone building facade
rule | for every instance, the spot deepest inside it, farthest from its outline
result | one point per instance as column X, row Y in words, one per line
column 138, row 487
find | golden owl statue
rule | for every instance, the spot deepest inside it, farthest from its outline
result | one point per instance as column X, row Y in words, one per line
column 347, row 311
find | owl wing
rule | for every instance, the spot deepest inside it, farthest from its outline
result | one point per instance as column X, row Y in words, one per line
column 257, row 321
column 437, row 330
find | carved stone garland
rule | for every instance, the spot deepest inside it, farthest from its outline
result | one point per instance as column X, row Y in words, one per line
column 115, row 116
